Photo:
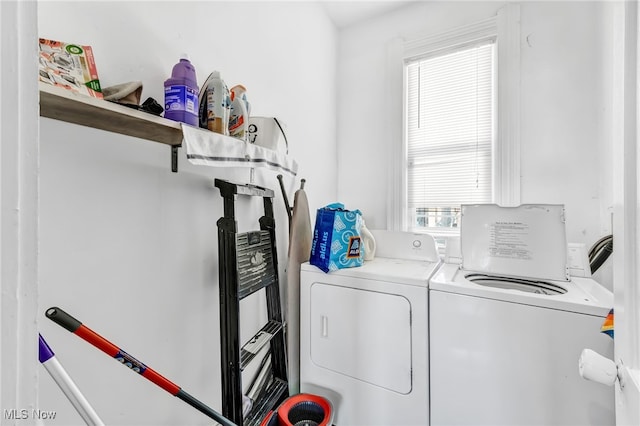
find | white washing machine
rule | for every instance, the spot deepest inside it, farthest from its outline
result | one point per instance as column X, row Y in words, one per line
column 508, row 324
column 364, row 333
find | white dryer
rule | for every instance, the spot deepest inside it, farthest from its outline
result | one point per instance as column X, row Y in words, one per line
column 508, row 325
column 364, row 333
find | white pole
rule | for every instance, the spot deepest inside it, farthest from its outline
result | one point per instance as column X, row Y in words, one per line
column 68, row 387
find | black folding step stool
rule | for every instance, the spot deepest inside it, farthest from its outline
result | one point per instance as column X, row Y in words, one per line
column 247, row 263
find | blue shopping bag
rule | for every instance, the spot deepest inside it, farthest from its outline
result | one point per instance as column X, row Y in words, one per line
column 337, row 242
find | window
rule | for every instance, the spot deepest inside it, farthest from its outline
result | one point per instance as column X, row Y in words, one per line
column 460, row 121
column 449, row 134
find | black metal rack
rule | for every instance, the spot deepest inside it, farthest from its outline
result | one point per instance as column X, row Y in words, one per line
column 248, row 263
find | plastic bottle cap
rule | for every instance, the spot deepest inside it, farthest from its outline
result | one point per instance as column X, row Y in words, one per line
column 184, row 56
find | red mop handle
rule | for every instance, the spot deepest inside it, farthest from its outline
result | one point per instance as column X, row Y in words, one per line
column 62, row 318
column 65, row 320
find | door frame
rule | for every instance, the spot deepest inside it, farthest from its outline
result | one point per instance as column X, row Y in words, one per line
column 19, row 158
column 626, row 256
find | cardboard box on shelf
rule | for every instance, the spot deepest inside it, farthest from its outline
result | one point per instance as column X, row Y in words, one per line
column 69, row 66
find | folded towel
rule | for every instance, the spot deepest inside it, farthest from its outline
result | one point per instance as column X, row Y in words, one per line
column 124, row 93
column 207, row 148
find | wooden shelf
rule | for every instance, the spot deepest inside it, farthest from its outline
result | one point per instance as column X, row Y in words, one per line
column 64, row 105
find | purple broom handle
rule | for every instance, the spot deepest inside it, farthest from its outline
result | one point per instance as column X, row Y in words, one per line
column 68, row 387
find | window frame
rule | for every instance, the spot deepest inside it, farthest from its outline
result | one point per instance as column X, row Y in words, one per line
column 504, row 28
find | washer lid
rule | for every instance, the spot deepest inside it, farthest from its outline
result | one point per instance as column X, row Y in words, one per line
column 527, row 241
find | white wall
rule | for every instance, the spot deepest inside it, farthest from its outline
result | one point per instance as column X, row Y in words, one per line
column 130, row 248
column 565, row 95
column 564, row 107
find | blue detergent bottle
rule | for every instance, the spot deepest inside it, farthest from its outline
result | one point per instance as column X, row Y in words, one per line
column 181, row 93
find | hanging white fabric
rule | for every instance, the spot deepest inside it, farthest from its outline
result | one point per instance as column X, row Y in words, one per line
column 207, row 148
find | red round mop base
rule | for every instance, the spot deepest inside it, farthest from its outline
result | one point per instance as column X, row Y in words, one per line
column 301, row 410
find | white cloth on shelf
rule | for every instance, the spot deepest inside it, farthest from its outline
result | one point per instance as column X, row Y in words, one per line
column 207, row 148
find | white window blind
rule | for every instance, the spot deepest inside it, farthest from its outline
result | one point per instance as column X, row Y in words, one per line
column 450, row 133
